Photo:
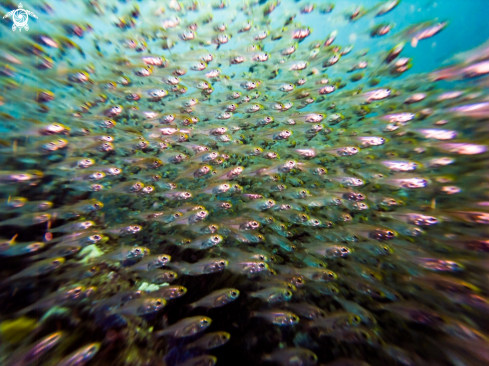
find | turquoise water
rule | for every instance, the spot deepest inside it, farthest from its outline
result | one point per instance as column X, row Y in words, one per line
column 244, row 183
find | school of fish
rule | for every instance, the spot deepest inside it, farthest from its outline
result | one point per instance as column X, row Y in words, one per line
column 192, row 182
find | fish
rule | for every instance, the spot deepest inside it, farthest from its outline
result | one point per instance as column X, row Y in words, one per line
column 66, row 297
column 217, row 299
column 169, row 292
column 281, row 318
column 81, row 356
column 273, row 294
column 290, row 169
column 140, row 307
column 40, row 268
column 186, row 327
column 37, row 350
column 12, row 249
column 337, row 321
column 206, row 266
column 211, row 340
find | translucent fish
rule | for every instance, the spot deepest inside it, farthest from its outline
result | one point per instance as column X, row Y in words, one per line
column 81, row 356
column 277, row 317
column 186, row 327
column 217, row 298
column 211, row 340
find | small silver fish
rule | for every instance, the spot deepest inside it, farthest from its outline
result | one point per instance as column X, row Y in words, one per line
column 217, row 298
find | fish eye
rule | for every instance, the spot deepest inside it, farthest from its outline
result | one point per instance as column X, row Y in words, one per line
column 261, row 265
column 171, row 275
column 222, row 263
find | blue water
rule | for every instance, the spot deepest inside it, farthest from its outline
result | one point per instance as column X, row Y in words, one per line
column 441, row 320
